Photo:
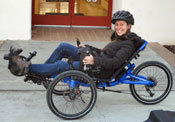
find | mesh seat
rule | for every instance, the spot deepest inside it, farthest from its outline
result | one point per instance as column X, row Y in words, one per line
column 120, row 71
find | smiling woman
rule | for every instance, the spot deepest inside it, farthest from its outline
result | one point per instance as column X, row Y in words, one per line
column 121, row 27
column 122, row 45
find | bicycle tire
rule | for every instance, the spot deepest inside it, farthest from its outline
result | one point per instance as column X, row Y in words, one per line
column 80, row 98
column 137, row 91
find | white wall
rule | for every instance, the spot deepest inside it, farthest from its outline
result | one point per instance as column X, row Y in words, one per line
column 154, row 19
column 15, row 19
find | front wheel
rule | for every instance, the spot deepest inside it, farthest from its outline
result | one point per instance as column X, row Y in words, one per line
column 162, row 78
column 78, row 95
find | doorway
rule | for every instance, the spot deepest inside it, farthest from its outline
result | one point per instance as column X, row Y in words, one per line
column 72, row 12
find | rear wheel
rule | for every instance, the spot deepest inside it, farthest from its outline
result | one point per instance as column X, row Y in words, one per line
column 162, row 78
column 75, row 102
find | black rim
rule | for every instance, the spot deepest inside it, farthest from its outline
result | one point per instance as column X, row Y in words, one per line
column 160, row 76
column 73, row 103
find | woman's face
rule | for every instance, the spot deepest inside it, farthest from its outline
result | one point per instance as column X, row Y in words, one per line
column 121, row 27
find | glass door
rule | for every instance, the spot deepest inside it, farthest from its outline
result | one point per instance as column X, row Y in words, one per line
column 92, row 12
column 51, row 12
column 72, row 12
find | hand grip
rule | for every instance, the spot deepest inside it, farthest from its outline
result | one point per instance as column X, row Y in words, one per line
column 86, row 67
column 31, row 55
column 78, row 42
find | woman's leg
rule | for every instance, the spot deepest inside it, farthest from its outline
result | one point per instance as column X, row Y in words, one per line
column 50, row 69
column 63, row 50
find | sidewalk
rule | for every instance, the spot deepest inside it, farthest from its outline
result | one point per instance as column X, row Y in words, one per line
column 31, row 106
column 24, row 102
column 163, row 52
column 1, row 42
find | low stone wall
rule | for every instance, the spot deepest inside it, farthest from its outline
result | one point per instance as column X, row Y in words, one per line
column 1, row 42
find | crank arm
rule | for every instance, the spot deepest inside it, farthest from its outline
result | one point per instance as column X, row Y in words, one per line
column 149, row 91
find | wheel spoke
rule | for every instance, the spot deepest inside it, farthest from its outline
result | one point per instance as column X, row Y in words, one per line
column 71, row 102
column 157, row 73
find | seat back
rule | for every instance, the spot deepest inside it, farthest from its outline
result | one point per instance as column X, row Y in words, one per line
column 117, row 74
column 120, row 71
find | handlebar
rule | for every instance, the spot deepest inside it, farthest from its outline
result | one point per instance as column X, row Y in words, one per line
column 31, row 55
column 86, row 67
column 78, row 42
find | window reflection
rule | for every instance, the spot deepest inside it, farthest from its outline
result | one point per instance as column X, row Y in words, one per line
column 44, row 7
column 91, row 7
column 81, row 7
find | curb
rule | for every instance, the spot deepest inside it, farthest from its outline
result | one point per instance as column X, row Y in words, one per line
column 163, row 52
column 1, row 42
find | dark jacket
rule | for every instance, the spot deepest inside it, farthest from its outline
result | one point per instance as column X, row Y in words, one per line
column 113, row 55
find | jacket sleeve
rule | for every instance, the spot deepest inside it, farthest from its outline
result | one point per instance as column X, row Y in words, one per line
column 118, row 59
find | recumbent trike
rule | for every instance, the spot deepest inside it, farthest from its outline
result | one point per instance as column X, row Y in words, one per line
column 72, row 94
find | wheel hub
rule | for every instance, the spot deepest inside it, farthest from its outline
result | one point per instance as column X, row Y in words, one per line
column 73, row 94
column 153, row 79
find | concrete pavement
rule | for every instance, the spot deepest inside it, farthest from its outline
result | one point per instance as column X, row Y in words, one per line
column 24, row 102
column 31, row 106
column 1, row 42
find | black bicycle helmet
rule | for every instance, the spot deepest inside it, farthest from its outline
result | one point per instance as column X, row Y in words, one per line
column 123, row 15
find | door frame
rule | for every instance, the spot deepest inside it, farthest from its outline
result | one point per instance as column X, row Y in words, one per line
column 93, row 20
column 51, row 19
column 71, row 20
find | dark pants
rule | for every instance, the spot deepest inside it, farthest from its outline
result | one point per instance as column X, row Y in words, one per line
column 54, row 64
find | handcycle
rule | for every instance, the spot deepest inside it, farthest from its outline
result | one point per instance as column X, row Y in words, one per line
column 72, row 94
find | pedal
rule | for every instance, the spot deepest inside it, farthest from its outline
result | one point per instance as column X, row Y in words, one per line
column 26, row 79
column 38, row 82
column 149, row 91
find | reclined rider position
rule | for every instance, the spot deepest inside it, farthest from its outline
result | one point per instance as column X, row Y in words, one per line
column 111, row 57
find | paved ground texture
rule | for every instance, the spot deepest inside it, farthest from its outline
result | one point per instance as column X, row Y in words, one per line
column 24, row 102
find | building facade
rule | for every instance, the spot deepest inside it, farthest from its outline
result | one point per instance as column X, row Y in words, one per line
column 154, row 20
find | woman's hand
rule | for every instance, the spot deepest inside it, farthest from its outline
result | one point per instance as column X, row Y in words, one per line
column 88, row 60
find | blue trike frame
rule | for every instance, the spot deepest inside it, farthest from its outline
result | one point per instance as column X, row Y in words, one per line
column 127, row 78
column 72, row 92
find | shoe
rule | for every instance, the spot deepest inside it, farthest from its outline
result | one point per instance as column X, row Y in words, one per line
column 19, row 66
column 13, row 52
